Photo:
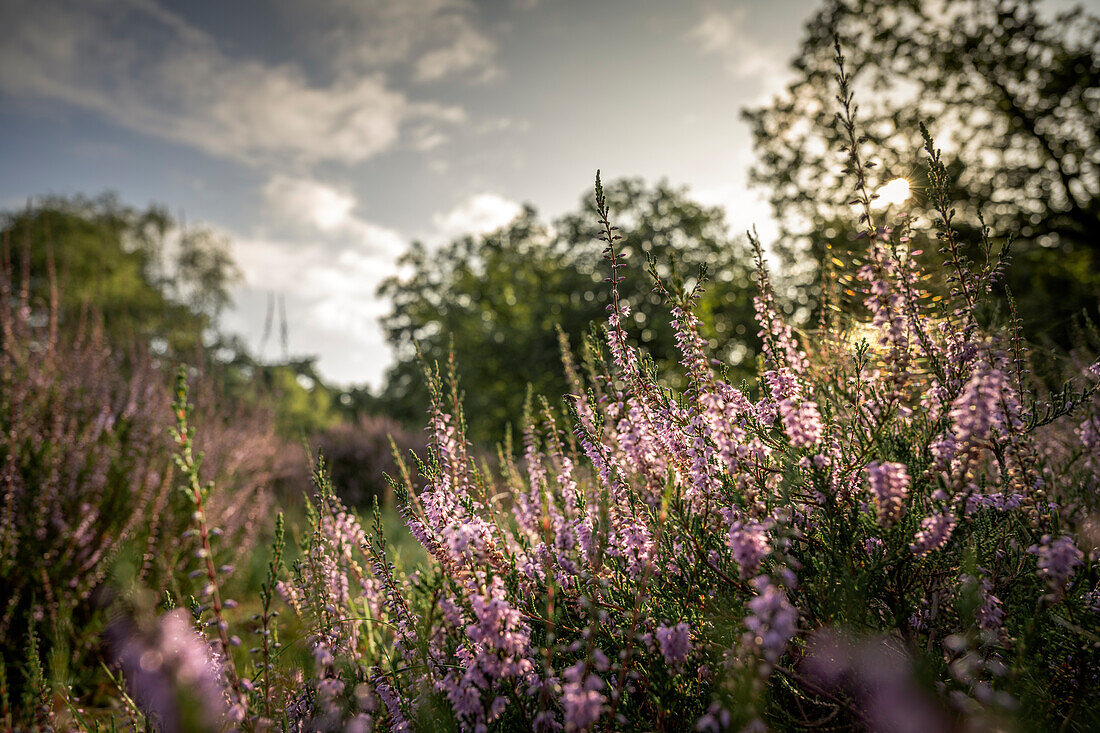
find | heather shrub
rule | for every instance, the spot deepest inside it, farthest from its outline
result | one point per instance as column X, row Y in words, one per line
column 883, row 537
column 359, row 456
column 896, row 532
column 86, row 488
column 894, row 529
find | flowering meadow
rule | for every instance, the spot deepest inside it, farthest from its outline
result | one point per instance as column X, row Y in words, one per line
column 895, row 528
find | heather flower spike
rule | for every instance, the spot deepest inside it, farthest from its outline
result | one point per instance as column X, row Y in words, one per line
column 890, row 526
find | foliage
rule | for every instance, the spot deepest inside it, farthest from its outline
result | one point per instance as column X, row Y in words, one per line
column 143, row 276
column 1015, row 94
column 476, row 296
column 303, row 403
column 85, row 497
column 893, row 529
column 893, row 533
column 359, row 457
column 152, row 283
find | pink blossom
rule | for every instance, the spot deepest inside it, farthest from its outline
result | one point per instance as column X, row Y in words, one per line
column 802, row 422
column 977, row 411
column 173, row 671
column 935, row 532
column 1058, row 561
column 884, row 302
column 580, row 697
column 748, row 542
column 876, row 673
column 398, row 722
column 773, row 620
column 686, row 327
column 990, row 613
column 675, row 643
column 889, row 484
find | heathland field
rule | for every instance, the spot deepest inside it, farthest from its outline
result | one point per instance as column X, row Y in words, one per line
column 627, row 470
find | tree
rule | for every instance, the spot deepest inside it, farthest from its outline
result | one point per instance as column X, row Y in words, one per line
column 135, row 270
column 498, row 298
column 152, row 283
column 1011, row 93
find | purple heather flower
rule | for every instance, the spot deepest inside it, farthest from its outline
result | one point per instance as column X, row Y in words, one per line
column 773, row 620
column 704, row 476
column 878, row 675
column 686, row 325
column 934, row 533
column 802, row 422
column 361, row 723
column 782, row 383
column 675, row 643
column 889, row 483
column 885, row 304
column 1089, row 434
column 623, row 354
column 639, row 441
column 468, row 539
column 1058, row 561
column 580, row 697
column 943, row 450
column 1092, row 599
column 528, row 505
column 780, row 348
column 344, row 531
column 716, row 719
column 990, row 613
column 748, row 541
column 322, row 656
column 173, row 662
column 291, row 595
column 978, row 410
column 398, row 722
column 997, row 500
column 496, row 652
column 635, row 545
column 500, row 633
column 918, row 620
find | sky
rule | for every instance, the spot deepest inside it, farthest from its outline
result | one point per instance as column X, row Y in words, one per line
column 321, row 137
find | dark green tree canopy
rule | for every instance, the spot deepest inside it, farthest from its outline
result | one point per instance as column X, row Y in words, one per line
column 500, row 296
column 152, row 282
column 141, row 274
column 1009, row 91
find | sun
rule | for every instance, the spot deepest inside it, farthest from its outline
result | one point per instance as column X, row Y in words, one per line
column 894, row 192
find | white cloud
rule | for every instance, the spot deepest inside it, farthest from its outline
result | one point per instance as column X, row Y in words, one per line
column 327, row 261
column 479, row 214
column 724, row 33
column 437, row 39
column 314, row 211
column 467, row 51
column 148, row 69
column 323, row 206
column 330, row 303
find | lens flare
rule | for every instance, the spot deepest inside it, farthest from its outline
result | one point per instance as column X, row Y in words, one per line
column 894, row 192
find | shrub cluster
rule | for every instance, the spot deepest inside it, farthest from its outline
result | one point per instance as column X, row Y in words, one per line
column 892, row 534
column 896, row 529
column 86, row 491
column 359, row 456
